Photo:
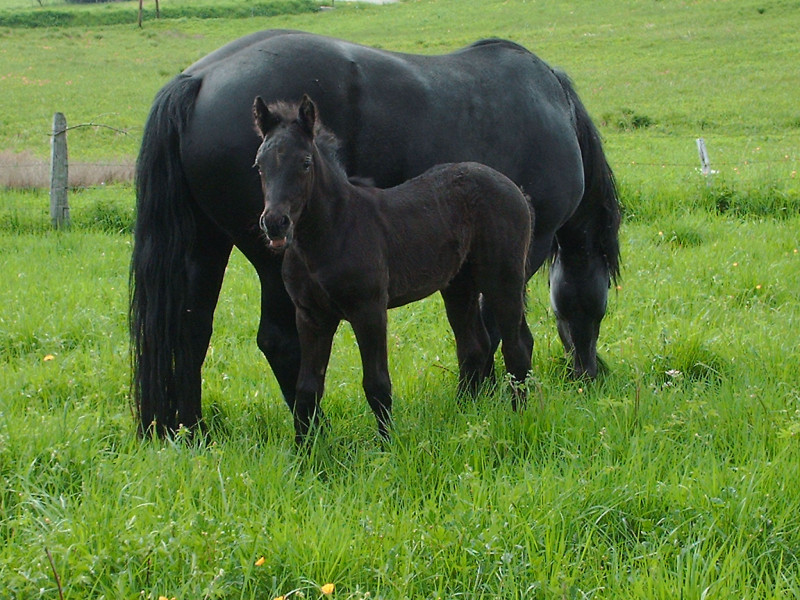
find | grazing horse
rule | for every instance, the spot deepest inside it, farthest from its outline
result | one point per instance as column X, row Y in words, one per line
column 353, row 251
column 396, row 115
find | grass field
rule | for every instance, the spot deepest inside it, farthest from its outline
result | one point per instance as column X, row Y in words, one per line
column 670, row 477
column 655, row 75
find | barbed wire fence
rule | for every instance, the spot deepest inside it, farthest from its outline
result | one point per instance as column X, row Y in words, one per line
column 24, row 171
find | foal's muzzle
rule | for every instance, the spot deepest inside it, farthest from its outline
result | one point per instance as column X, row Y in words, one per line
column 277, row 229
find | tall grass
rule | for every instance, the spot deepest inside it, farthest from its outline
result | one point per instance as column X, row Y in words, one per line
column 24, row 170
column 100, row 208
column 671, row 476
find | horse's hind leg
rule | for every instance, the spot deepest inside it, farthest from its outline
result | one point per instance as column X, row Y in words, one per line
column 578, row 294
column 369, row 326
column 505, row 297
column 205, row 269
column 473, row 347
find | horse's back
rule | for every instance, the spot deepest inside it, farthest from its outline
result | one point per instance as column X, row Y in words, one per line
column 467, row 206
column 395, row 114
column 501, row 215
column 472, row 189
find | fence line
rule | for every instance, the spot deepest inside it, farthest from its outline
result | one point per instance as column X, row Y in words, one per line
column 630, row 163
column 59, row 173
column 32, row 173
column 112, row 212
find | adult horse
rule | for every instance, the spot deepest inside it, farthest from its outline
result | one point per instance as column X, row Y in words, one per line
column 396, row 115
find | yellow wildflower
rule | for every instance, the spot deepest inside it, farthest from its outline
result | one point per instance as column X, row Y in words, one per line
column 261, row 561
column 327, row 589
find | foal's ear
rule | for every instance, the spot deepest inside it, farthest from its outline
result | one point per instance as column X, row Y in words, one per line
column 307, row 115
column 265, row 120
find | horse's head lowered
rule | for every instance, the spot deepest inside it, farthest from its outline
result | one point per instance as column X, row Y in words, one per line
column 286, row 163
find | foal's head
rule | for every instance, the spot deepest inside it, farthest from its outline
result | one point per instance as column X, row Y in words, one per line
column 286, row 163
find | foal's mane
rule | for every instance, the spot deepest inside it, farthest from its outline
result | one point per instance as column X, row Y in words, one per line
column 326, row 141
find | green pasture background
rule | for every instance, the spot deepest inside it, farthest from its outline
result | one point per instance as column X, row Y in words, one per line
column 672, row 476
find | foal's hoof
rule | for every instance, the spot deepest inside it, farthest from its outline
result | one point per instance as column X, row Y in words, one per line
column 591, row 372
column 519, row 399
column 307, row 425
column 385, row 432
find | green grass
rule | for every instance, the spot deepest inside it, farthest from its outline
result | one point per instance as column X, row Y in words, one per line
column 108, row 209
column 687, row 70
column 672, row 476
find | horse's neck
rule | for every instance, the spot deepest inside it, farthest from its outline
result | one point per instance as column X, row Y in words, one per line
column 324, row 209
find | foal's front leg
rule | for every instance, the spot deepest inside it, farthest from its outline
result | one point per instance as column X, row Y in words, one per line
column 369, row 325
column 316, row 337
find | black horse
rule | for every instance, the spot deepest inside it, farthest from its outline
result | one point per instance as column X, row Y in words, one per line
column 353, row 251
column 396, row 116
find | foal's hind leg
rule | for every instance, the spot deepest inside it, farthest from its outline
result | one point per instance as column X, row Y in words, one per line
column 473, row 347
column 369, row 326
column 538, row 252
column 506, row 300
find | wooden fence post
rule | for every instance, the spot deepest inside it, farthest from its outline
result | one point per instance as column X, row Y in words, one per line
column 158, row 12
column 59, row 173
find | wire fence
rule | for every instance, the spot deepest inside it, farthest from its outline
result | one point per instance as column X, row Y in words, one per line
column 32, row 173
column 25, row 180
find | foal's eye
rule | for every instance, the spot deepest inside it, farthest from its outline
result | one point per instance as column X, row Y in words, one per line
column 307, row 163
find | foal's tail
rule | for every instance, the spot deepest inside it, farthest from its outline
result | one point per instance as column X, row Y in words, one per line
column 163, row 235
column 600, row 203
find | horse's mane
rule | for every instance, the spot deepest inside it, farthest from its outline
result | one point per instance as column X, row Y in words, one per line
column 325, row 140
column 329, row 146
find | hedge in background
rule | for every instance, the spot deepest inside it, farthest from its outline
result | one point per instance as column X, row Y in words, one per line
column 115, row 15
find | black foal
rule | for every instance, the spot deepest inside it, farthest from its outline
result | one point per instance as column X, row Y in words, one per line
column 353, row 251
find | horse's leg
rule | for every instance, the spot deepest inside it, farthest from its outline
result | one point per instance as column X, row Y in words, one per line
column 316, row 337
column 473, row 346
column 587, row 255
column 579, row 281
column 490, row 326
column 539, row 251
column 369, row 326
column 504, row 295
column 206, row 264
column 277, row 330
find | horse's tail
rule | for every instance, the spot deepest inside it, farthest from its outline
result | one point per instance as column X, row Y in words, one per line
column 600, row 201
column 164, row 233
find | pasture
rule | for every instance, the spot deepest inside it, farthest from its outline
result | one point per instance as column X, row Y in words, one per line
column 671, row 476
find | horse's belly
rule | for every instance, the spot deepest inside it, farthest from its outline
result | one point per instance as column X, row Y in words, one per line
column 412, row 296
column 423, row 278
